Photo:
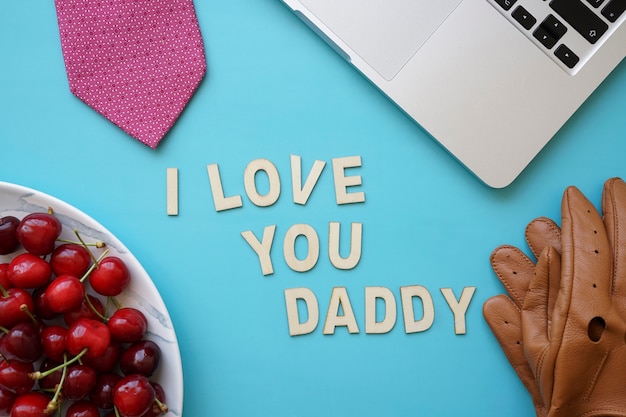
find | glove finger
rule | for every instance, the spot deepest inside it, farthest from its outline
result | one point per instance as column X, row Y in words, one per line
column 541, row 233
column 536, row 323
column 586, row 258
column 514, row 269
column 614, row 209
column 552, row 268
column 583, row 310
column 504, row 319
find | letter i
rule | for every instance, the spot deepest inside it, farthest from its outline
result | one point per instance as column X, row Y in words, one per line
column 172, row 191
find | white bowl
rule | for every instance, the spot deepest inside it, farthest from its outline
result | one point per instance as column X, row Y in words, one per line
column 142, row 294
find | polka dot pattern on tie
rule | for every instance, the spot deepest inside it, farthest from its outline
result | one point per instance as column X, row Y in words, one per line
column 137, row 62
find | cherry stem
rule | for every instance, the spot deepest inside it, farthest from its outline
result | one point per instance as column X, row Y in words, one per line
column 5, row 293
column 162, row 406
column 115, row 302
column 4, row 330
column 24, row 309
column 85, row 245
column 94, row 309
column 116, row 305
column 54, row 402
column 94, row 265
column 97, row 244
column 38, row 375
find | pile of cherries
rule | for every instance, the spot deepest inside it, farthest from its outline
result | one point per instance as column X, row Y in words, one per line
column 66, row 345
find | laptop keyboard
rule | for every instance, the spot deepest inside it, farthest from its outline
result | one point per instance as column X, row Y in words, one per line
column 568, row 31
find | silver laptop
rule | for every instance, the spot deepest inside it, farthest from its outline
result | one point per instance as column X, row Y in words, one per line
column 491, row 80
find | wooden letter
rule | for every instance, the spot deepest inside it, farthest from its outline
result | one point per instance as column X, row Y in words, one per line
column 221, row 202
column 289, row 247
column 339, row 300
column 371, row 295
column 342, row 182
column 296, row 327
column 356, row 239
column 459, row 308
column 263, row 248
column 172, row 191
column 301, row 193
column 410, row 324
column 249, row 181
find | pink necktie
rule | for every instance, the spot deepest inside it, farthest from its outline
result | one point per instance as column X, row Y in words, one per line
column 137, row 62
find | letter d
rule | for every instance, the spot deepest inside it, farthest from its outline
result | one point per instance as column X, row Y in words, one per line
column 292, row 295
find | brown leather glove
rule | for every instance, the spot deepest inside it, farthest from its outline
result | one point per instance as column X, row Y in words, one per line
column 577, row 350
column 503, row 313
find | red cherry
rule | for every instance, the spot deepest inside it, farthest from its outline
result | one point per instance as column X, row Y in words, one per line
column 141, row 357
column 42, row 310
column 102, row 393
column 86, row 310
column 31, row 404
column 79, row 381
column 158, row 408
column 88, row 334
column 8, row 234
column 52, row 380
column 14, row 376
column 82, row 409
column 110, row 277
column 38, row 232
column 70, row 259
column 29, row 271
column 127, row 325
column 108, row 360
column 6, row 400
column 65, row 293
column 133, row 395
column 53, row 341
column 11, row 303
column 22, row 343
column 4, row 276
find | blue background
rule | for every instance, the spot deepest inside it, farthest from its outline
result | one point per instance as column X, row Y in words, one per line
column 274, row 89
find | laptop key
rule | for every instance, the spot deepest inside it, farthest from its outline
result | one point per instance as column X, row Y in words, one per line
column 523, row 17
column 614, row 9
column 550, row 31
column 506, row 4
column 554, row 25
column 581, row 18
column 545, row 37
column 569, row 58
column 595, row 3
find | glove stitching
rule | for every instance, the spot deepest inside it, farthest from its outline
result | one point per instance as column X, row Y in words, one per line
column 594, row 380
column 604, row 412
column 616, row 239
column 545, row 221
column 498, row 270
column 538, row 372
